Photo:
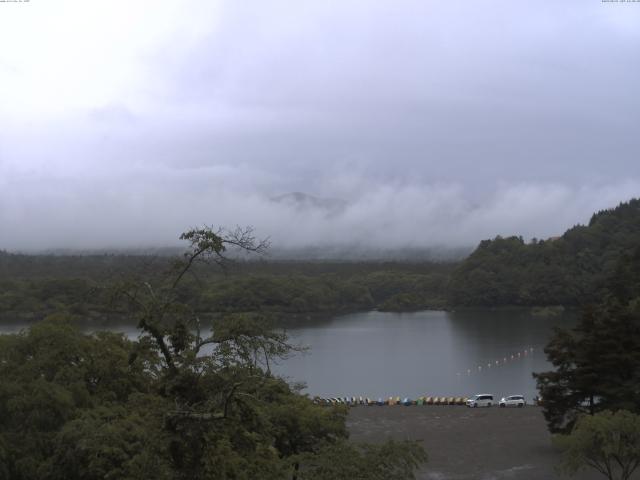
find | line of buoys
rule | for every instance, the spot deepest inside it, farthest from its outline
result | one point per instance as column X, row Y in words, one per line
column 423, row 400
column 498, row 363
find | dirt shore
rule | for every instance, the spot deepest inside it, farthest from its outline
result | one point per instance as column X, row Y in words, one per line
column 466, row 443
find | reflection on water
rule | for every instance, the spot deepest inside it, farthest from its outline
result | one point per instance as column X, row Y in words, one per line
column 379, row 354
column 435, row 353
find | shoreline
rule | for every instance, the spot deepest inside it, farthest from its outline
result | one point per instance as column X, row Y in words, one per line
column 108, row 319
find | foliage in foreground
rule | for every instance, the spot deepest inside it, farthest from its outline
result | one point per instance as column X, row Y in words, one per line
column 389, row 461
column 597, row 363
column 185, row 400
column 607, row 442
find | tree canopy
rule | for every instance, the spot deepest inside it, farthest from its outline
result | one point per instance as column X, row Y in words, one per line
column 192, row 397
column 569, row 270
column 606, row 442
column 597, row 363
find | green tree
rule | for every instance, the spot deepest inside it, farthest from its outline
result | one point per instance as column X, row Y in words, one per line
column 389, row 461
column 568, row 270
column 607, row 442
column 49, row 374
column 192, row 398
column 597, row 363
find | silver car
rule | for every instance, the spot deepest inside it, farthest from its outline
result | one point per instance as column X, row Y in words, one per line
column 512, row 401
column 480, row 400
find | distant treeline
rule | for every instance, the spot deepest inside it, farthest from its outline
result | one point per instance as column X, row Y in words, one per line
column 33, row 286
column 569, row 270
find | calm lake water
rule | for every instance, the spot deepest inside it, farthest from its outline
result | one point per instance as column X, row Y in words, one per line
column 432, row 353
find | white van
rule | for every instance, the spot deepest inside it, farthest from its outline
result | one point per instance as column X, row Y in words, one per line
column 481, row 400
column 512, row 401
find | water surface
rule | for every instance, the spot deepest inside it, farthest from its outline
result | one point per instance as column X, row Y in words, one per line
column 435, row 353
column 432, row 353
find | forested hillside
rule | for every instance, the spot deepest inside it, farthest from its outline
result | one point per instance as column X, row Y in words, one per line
column 32, row 287
column 568, row 270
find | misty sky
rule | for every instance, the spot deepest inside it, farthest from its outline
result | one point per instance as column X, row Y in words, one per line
column 437, row 122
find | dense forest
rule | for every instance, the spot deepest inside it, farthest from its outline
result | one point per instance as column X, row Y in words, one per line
column 32, row 287
column 569, row 270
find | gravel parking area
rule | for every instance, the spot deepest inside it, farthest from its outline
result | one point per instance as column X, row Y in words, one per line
column 468, row 443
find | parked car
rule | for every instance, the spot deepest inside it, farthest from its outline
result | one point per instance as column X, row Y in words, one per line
column 512, row 401
column 480, row 400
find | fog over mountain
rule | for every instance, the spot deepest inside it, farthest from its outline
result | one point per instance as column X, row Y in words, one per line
column 382, row 217
column 352, row 124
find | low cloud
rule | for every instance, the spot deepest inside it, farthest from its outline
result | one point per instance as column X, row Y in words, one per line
column 117, row 211
column 431, row 123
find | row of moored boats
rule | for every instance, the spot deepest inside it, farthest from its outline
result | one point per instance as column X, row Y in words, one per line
column 353, row 401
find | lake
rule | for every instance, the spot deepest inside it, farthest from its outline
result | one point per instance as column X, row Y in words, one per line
column 433, row 353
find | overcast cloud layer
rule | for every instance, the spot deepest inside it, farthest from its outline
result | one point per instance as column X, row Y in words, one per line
column 435, row 122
